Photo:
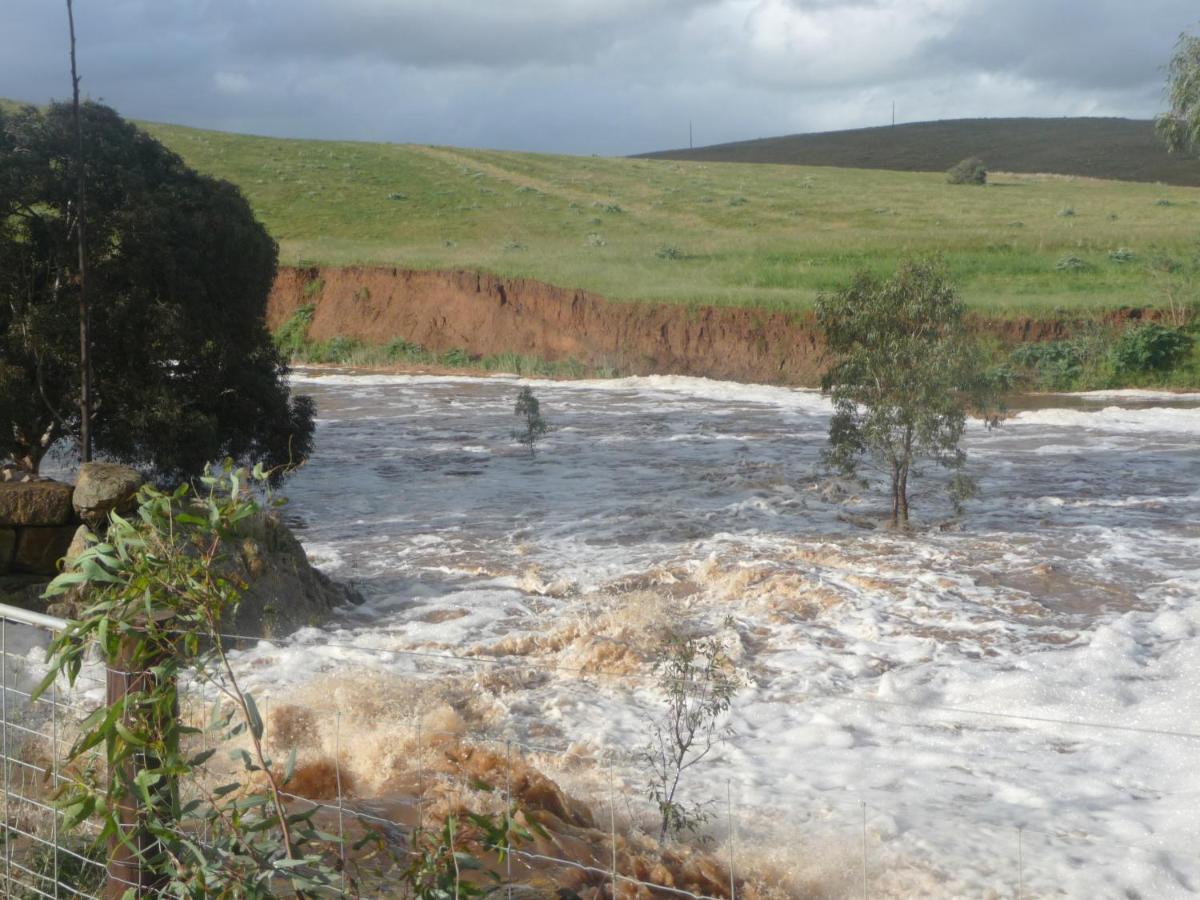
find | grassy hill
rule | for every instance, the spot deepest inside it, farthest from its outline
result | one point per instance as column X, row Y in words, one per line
column 691, row 232
column 1124, row 149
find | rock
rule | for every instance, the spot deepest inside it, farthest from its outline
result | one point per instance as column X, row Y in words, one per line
column 37, row 503
column 79, row 543
column 40, row 548
column 103, row 487
column 284, row 591
column 8, row 547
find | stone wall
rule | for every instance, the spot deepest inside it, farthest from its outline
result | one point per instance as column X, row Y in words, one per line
column 37, row 523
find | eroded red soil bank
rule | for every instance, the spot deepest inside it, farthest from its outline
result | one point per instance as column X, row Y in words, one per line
column 485, row 314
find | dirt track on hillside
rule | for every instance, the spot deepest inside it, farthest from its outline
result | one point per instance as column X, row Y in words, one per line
column 485, row 314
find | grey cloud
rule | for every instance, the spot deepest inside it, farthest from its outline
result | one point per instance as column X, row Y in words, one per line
column 1099, row 45
column 591, row 76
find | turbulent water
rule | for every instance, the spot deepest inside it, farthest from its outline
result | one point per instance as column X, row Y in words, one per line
column 1000, row 702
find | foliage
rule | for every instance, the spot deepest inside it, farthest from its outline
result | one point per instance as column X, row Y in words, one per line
column 1179, row 126
column 439, row 858
column 1150, row 347
column 533, row 426
column 1122, row 255
column 1058, row 365
column 699, row 683
column 669, row 252
column 158, row 593
column 968, row 171
column 179, row 270
column 292, row 335
column 903, row 377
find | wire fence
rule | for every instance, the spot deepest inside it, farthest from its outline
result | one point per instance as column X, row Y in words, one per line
column 599, row 836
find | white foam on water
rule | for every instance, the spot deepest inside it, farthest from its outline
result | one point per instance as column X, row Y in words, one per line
column 950, row 679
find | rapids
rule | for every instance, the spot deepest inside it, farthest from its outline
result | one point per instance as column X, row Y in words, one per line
column 929, row 701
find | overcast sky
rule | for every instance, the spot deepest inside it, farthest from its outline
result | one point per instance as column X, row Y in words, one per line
column 592, row 76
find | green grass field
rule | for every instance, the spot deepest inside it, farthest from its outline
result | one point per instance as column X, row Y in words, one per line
column 734, row 234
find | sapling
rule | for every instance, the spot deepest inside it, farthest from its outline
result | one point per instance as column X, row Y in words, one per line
column 535, row 427
column 699, row 683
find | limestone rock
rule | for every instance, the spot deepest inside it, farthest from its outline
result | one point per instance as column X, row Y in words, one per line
column 103, row 487
column 40, row 548
column 38, row 503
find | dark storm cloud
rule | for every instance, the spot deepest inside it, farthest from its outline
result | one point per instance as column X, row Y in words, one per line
column 604, row 76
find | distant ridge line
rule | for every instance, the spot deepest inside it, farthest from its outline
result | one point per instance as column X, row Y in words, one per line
column 1091, row 147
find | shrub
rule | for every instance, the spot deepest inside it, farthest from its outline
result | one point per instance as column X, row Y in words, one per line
column 1150, row 347
column 968, row 171
column 1122, row 255
column 456, row 357
column 669, row 252
column 313, row 288
column 1066, row 212
column 1071, row 264
column 699, row 683
column 292, row 336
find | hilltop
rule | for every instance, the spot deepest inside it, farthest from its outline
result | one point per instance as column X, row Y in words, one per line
column 698, row 233
column 1122, row 149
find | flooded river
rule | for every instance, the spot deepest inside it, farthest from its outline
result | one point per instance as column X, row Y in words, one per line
column 1003, row 701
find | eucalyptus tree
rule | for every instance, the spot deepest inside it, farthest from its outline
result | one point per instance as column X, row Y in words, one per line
column 903, row 377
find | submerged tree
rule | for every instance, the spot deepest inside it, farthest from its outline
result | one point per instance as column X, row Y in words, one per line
column 534, row 426
column 699, row 683
column 178, row 270
column 903, row 377
column 1179, row 126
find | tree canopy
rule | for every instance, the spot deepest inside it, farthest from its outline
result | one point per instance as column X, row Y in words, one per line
column 902, row 378
column 1180, row 125
column 179, row 271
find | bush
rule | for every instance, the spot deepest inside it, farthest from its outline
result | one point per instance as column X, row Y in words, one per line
column 669, row 252
column 1071, row 264
column 292, row 336
column 969, row 171
column 1150, row 347
column 1122, row 255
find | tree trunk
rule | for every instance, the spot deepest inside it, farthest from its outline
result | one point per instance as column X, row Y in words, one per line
column 85, row 310
column 902, row 496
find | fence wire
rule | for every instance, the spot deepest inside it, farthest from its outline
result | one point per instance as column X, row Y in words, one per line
column 607, row 851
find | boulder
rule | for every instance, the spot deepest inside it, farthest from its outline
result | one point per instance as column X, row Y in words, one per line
column 38, row 503
column 284, row 592
column 102, row 487
column 39, row 549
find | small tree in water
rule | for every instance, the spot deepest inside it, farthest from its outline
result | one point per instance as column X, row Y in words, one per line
column 535, row 427
column 699, row 683
column 903, row 377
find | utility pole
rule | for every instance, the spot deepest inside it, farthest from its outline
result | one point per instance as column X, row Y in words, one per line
column 85, row 311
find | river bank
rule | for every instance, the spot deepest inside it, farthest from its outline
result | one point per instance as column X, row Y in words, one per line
column 434, row 322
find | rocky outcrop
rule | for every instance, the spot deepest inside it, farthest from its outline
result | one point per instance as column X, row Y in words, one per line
column 284, row 591
column 40, row 525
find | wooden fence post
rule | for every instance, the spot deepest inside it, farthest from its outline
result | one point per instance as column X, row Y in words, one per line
column 127, row 859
